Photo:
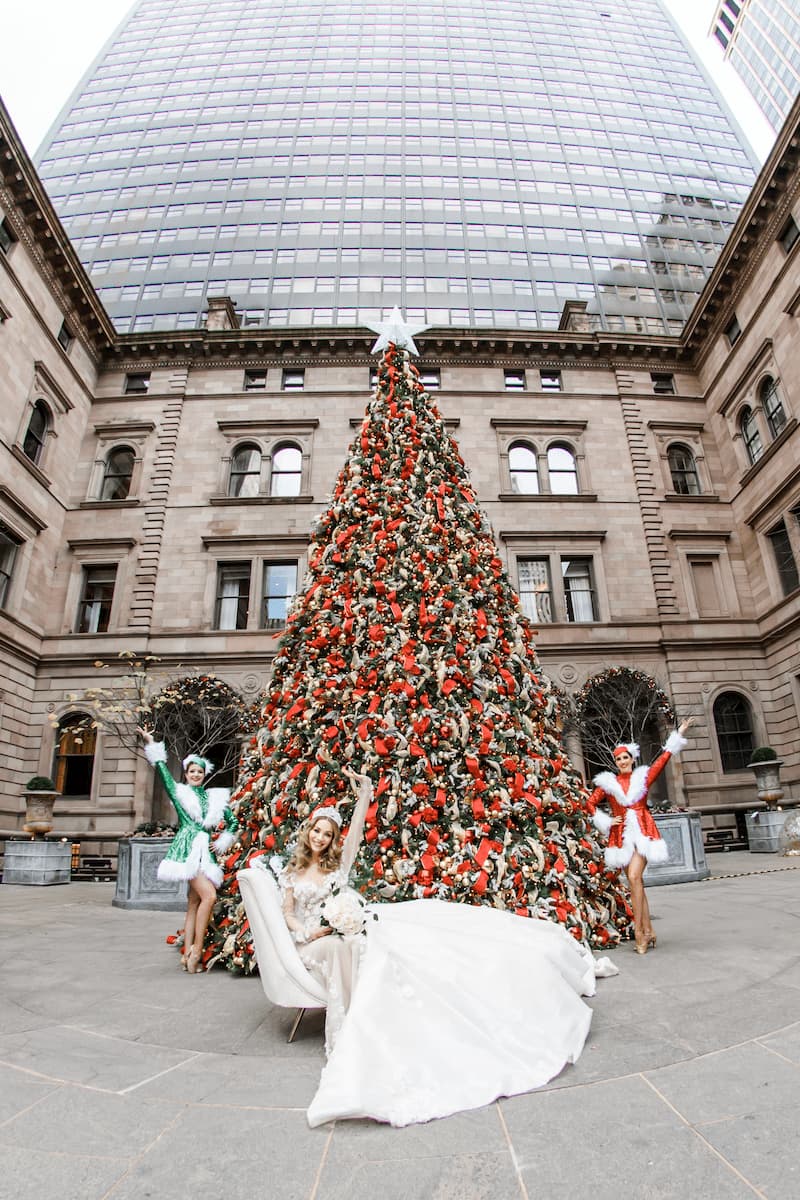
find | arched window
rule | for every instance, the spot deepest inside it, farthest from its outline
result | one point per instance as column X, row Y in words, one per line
column 117, row 473
column 772, row 405
column 245, row 477
column 562, row 471
column 751, row 435
column 36, row 433
column 523, row 469
column 683, row 469
column 74, row 758
column 287, row 471
column 733, row 721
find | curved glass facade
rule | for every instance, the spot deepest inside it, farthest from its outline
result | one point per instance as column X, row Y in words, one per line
column 478, row 162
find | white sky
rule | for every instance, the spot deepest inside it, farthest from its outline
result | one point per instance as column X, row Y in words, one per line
column 48, row 44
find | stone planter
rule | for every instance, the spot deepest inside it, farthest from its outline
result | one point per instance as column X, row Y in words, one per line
column 768, row 779
column 39, row 812
column 764, row 830
column 683, row 833
column 138, row 885
column 37, row 862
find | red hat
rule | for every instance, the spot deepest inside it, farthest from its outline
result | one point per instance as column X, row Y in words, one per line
column 631, row 748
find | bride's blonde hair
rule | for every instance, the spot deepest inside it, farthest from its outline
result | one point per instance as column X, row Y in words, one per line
column 302, row 856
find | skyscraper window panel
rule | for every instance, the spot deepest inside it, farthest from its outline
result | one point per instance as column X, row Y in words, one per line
column 454, row 93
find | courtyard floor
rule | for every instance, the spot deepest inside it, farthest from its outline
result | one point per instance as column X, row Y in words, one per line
column 122, row 1077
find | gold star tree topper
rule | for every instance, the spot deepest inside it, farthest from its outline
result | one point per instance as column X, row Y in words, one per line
column 395, row 331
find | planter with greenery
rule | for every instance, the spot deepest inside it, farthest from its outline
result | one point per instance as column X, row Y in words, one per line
column 764, row 829
column 40, row 797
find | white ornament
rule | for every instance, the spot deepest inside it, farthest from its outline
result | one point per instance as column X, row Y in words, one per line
column 395, row 331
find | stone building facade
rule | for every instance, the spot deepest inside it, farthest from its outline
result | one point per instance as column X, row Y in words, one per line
column 156, row 492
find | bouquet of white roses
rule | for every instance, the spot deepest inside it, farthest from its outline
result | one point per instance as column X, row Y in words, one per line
column 345, row 913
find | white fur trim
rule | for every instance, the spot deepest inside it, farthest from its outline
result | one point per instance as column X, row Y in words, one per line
column 654, row 850
column 601, row 820
column 199, row 862
column 637, row 788
column 675, row 743
column 218, row 801
column 155, row 752
column 224, row 842
column 190, row 802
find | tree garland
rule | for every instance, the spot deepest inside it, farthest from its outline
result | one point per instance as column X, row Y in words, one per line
column 406, row 656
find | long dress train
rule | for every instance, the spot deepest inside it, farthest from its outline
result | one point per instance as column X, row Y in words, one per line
column 454, row 1006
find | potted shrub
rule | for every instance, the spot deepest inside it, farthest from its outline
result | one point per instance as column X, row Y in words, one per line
column 766, row 766
column 34, row 860
column 764, row 828
column 138, row 885
column 40, row 797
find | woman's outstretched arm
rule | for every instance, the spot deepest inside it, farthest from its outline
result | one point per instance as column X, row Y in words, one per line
column 362, row 786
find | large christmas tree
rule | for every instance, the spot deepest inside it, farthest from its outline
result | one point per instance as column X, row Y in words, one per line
column 407, row 657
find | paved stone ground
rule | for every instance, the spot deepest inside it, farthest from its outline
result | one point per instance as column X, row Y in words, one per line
column 122, row 1077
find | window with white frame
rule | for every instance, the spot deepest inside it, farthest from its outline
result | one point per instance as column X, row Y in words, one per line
column 97, row 595
column 286, row 471
column 683, row 470
column 245, row 472
column 772, row 404
column 785, row 560
column 580, row 596
column 751, row 434
column 562, row 471
column 33, row 443
column 9, row 545
column 232, row 605
column 523, row 469
column 279, row 586
column 117, row 473
column 535, row 589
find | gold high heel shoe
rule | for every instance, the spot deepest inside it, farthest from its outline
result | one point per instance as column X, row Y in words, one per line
column 642, row 944
column 651, row 939
column 193, row 962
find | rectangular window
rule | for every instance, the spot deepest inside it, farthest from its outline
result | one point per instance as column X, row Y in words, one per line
column 64, row 337
column 7, row 238
column 733, row 331
column 280, row 584
column 514, row 380
column 535, row 591
column 138, row 384
column 784, row 558
column 293, row 379
column 8, row 555
column 431, row 378
column 550, row 381
column 663, row 384
column 255, row 381
column 579, row 590
column 97, row 593
column 233, row 595
column 789, row 235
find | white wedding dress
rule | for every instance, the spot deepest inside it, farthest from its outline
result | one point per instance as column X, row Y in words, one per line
column 453, row 1006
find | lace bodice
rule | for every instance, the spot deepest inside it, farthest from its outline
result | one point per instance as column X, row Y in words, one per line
column 303, row 901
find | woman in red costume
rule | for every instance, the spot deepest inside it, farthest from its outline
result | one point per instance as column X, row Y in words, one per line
column 634, row 840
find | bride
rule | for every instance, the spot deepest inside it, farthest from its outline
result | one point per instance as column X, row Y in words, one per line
column 454, row 1004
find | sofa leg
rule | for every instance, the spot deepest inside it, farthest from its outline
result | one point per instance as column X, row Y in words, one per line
column 296, row 1025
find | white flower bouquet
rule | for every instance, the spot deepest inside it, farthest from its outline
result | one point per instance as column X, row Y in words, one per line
column 345, row 913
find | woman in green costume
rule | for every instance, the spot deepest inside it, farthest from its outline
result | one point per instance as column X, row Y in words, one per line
column 192, row 854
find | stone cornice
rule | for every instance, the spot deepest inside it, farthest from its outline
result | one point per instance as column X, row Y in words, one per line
column 758, row 225
column 34, row 221
column 352, row 347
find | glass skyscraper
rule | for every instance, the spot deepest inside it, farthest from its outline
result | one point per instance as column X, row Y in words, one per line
column 761, row 39
column 478, row 162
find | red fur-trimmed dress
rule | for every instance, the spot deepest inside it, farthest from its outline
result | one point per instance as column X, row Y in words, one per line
column 627, row 797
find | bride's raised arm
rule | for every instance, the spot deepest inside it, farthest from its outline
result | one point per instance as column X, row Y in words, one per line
column 362, row 786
